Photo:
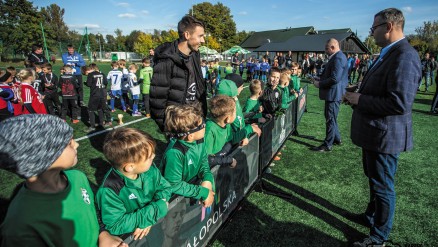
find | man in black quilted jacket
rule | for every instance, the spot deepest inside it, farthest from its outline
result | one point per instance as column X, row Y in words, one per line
column 177, row 77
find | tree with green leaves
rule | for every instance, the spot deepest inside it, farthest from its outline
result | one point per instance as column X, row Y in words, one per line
column 143, row 43
column 56, row 30
column 370, row 42
column 218, row 22
column 19, row 21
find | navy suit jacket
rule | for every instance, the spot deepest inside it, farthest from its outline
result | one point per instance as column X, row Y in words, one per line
column 382, row 120
column 334, row 79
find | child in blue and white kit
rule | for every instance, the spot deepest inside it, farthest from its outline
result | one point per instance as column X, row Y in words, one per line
column 134, row 87
column 115, row 76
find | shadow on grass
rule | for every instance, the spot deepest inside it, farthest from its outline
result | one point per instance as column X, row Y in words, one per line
column 423, row 101
column 256, row 228
column 350, row 233
column 423, row 112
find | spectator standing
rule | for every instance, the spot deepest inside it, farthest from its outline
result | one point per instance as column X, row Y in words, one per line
column 331, row 86
column 288, row 60
column 426, row 67
column 36, row 57
column 381, row 123
column 235, row 62
column 432, row 71
column 185, row 84
column 74, row 59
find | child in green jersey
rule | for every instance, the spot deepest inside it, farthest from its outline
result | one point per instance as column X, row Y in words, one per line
column 133, row 195
column 232, row 86
column 219, row 136
column 253, row 108
column 145, row 80
column 295, row 84
column 185, row 157
column 54, row 206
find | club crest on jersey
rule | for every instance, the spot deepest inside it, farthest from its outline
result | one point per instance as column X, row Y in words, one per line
column 85, row 196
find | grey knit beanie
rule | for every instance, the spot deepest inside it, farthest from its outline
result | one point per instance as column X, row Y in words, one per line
column 29, row 144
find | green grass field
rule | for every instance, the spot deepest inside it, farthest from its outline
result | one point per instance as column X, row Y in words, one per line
column 326, row 188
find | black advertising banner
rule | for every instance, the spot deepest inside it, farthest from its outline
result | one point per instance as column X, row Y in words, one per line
column 302, row 102
column 189, row 224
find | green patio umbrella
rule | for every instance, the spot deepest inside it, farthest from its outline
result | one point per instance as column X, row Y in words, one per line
column 237, row 49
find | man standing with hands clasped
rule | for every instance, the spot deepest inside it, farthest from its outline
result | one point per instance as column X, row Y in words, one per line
column 331, row 86
column 382, row 118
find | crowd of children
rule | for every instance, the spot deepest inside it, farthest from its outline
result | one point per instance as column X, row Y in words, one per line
column 38, row 89
column 134, row 193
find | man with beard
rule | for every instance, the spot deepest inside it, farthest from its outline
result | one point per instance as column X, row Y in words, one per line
column 177, row 77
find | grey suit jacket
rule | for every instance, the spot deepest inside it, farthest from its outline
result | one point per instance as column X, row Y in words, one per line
column 382, row 120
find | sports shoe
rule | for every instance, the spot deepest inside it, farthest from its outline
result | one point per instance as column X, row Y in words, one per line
column 322, row 148
column 138, row 114
column 108, row 124
column 277, row 158
column 367, row 242
column 148, row 115
column 90, row 129
column 75, row 121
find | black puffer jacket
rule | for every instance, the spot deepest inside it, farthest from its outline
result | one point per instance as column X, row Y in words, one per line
column 170, row 81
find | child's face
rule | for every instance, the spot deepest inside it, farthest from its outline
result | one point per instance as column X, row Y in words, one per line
column 46, row 71
column 68, row 157
column 275, row 78
column 37, row 69
column 232, row 117
column 144, row 165
column 284, row 82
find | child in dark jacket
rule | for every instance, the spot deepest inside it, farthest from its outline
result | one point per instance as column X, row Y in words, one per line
column 69, row 88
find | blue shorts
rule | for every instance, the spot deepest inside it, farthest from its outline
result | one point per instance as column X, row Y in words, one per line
column 116, row 93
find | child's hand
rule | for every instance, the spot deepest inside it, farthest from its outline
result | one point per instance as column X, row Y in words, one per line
column 256, row 129
column 140, row 233
column 108, row 240
column 234, row 163
column 207, row 203
column 244, row 142
column 207, row 184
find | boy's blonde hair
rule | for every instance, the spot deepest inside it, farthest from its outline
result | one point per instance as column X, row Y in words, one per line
column 25, row 74
column 255, row 87
column 284, row 78
column 133, row 66
column 67, row 69
column 222, row 106
column 127, row 145
column 182, row 118
column 295, row 65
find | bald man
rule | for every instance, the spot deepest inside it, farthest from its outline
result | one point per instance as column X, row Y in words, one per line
column 331, row 86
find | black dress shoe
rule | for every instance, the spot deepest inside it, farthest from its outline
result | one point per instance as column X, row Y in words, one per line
column 339, row 143
column 322, row 148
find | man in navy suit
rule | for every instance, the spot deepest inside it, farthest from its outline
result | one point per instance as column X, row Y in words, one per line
column 331, row 89
column 382, row 118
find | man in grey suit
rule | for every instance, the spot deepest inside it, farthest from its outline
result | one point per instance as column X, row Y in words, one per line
column 331, row 86
column 382, row 118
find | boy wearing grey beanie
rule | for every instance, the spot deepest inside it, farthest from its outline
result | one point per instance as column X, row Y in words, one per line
column 54, row 206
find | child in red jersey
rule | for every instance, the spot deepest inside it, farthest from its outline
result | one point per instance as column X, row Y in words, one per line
column 28, row 100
